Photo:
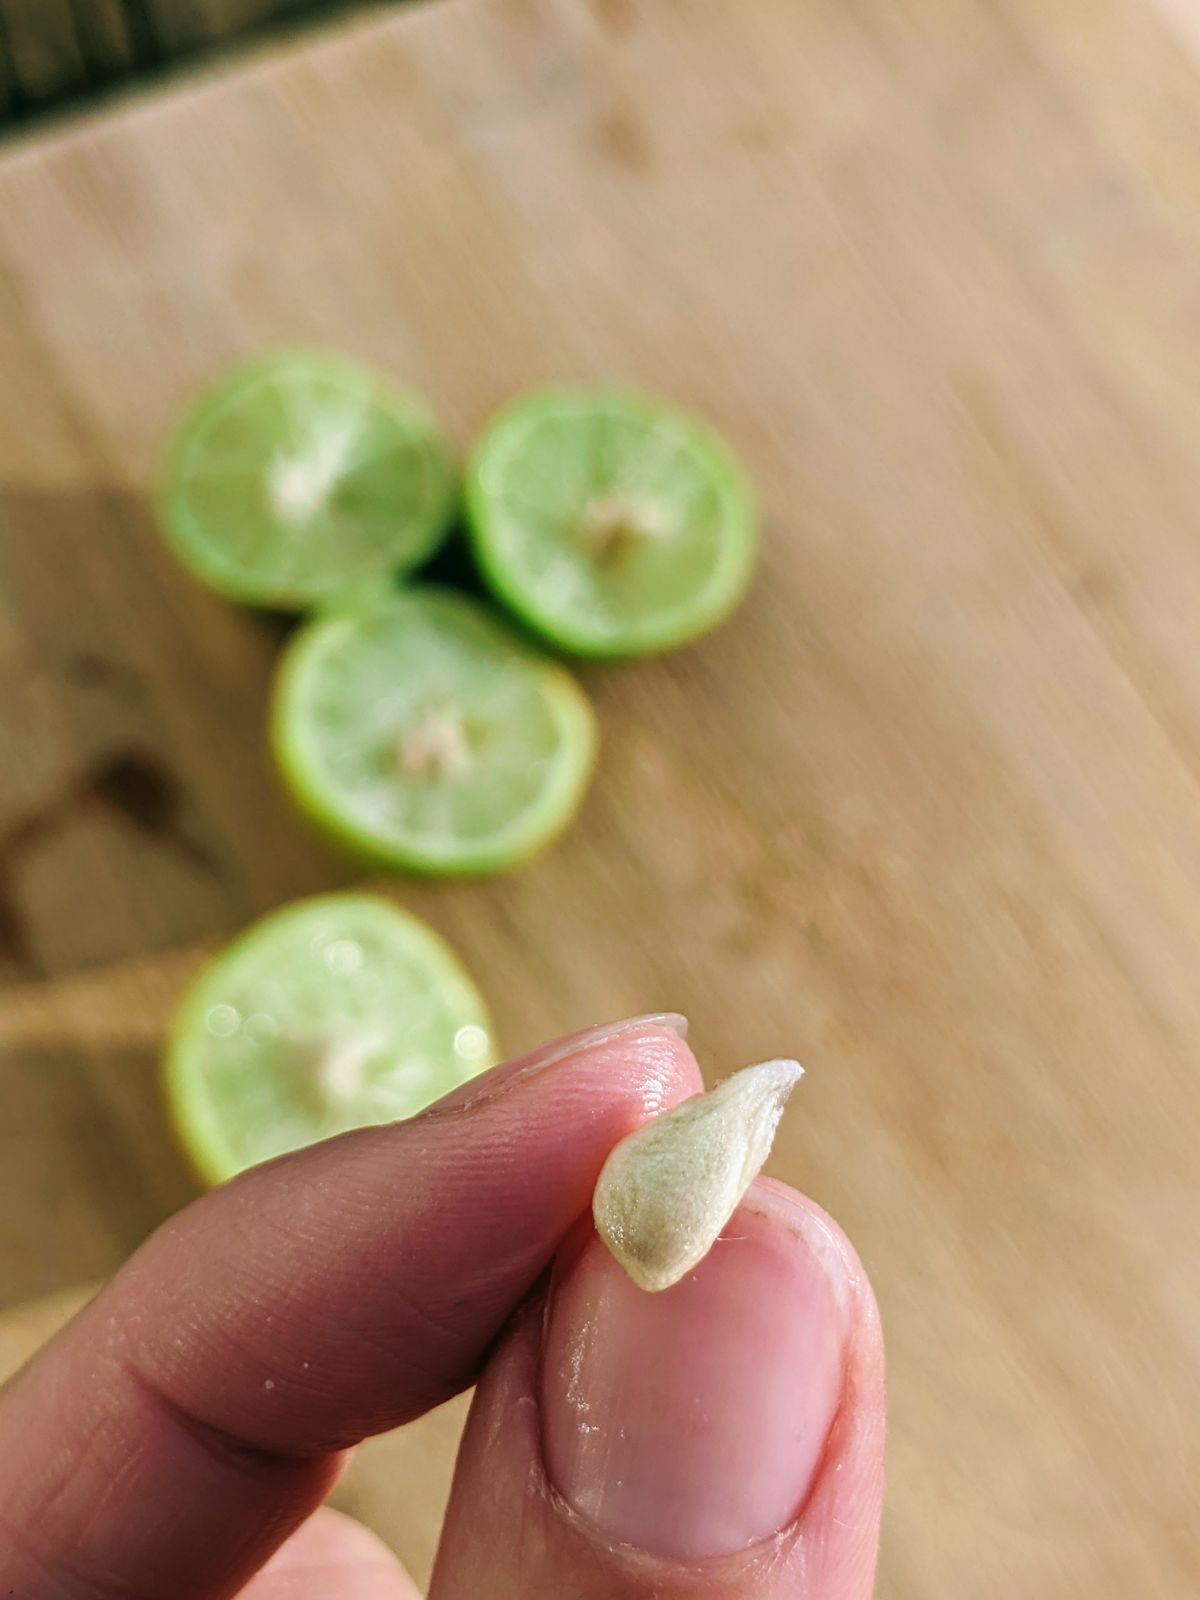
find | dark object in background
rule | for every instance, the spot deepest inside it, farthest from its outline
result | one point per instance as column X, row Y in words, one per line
column 56, row 51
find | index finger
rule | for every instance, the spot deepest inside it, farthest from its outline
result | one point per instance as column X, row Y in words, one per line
column 192, row 1416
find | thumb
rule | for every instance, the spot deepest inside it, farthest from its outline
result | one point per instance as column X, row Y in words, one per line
column 723, row 1439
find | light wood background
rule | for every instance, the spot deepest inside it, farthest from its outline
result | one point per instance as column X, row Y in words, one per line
column 927, row 813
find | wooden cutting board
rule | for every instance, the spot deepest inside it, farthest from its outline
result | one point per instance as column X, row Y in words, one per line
column 926, row 813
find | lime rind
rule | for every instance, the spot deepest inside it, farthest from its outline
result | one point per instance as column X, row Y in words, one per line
column 362, row 463
column 541, row 688
column 207, row 1131
column 587, row 433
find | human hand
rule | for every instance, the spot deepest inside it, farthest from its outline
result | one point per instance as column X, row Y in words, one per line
column 721, row 1440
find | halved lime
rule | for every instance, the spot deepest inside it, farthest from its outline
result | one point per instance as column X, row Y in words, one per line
column 333, row 1013
column 424, row 735
column 301, row 473
column 612, row 524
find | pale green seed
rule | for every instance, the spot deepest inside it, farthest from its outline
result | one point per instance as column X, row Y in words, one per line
column 668, row 1189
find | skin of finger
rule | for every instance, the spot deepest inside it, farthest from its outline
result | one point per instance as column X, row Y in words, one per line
column 190, row 1419
column 332, row 1555
column 508, row 1534
column 839, row 1529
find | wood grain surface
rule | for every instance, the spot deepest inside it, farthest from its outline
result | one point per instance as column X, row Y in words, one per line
column 926, row 813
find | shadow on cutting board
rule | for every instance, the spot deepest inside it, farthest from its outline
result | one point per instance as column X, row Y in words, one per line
column 56, row 59
column 140, row 809
column 89, row 1162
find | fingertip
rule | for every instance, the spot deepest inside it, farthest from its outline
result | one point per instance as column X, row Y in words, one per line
column 650, row 1054
column 823, row 1236
column 326, row 1537
column 723, row 1435
column 332, row 1554
column 837, row 1530
column 744, row 1358
column 657, row 1040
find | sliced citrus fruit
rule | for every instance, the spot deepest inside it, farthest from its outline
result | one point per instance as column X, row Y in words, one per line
column 614, row 525
column 424, row 735
column 333, row 1013
column 301, row 473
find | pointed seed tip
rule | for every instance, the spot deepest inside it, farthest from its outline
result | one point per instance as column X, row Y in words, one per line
column 663, row 1197
column 783, row 1069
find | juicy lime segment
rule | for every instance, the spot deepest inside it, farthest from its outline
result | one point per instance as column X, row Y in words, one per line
column 301, row 473
column 423, row 734
column 614, row 525
column 334, row 1013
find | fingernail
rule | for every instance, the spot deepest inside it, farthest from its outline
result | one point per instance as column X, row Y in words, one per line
column 692, row 1423
column 548, row 1055
column 603, row 1033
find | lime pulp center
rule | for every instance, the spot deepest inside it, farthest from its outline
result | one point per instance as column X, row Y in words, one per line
column 436, row 746
column 300, row 484
column 336, row 1063
column 611, row 523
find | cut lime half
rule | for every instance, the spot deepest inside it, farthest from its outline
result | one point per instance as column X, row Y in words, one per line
column 300, row 474
column 612, row 524
column 424, row 735
column 333, row 1013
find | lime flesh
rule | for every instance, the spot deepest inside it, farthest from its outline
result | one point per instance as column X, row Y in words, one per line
column 615, row 526
column 425, row 736
column 300, row 474
column 333, row 1013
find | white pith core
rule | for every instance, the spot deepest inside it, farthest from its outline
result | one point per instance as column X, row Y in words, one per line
column 612, row 522
column 436, row 746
